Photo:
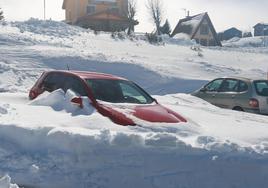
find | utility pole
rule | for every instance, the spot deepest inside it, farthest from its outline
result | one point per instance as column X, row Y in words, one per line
column 44, row 9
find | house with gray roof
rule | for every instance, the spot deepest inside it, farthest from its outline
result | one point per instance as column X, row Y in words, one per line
column 261, row 29
column 200, row 28
column 229, row 34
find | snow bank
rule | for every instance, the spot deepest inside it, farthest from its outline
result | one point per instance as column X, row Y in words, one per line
column 47, row 27
column 247, row 42
column 179, row 39
column 5, row 182
column 86, row 150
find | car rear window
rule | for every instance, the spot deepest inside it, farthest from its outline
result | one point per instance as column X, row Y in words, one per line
column 261, row 87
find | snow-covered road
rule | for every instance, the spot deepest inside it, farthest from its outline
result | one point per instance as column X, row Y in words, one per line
column 51, row 143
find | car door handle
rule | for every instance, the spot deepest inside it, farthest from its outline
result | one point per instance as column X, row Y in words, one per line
column 233, row 96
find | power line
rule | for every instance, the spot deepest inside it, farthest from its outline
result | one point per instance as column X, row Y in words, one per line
column 44, row 9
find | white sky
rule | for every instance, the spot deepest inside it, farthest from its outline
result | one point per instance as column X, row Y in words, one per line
column 243, row 14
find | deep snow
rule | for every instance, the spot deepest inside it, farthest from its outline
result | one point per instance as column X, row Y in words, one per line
column 5, row 182
column 51, row 143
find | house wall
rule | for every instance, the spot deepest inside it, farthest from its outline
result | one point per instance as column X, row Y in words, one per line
column 231, row 33
column 259, row 30
column 205, row 39
column 75, row 9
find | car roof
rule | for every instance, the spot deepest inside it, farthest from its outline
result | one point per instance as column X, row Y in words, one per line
column 90, row 75
column 242, row 78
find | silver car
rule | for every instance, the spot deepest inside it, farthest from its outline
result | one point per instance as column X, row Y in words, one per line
column 241, row 94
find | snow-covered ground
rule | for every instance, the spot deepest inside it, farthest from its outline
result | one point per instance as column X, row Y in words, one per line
column 50, row 143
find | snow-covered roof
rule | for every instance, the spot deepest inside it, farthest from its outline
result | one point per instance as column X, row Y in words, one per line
column 189, row 24
column 261, row 24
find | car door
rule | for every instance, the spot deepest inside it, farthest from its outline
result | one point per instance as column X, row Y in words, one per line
column 227, row 93
column 210, row 91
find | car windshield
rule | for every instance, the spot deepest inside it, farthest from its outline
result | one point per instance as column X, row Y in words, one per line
column 118, row 91
column 261, row 87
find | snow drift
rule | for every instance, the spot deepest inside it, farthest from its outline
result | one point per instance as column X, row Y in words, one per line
column 50, row 142
column 5, row 182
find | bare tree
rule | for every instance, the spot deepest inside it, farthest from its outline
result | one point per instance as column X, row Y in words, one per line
column 155, row 8
column 1, row 14
column 132, row 12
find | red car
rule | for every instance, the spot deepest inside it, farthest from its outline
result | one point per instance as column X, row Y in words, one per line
column 104, row 90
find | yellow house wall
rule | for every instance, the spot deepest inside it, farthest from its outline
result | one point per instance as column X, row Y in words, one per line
column 78, row 8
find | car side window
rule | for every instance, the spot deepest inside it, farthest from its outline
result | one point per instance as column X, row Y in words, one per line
column 243, row 86
column 131, row 93
column 229, row 85
column 75, row 85
column 53, row 82
column 214, row 85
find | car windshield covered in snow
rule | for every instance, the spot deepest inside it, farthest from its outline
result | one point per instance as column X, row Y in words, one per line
column 118, row 91
column 261, row 87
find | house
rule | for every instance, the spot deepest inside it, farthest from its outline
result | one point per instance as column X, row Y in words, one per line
column 200, row 28
column 261, row 29
column 229, row 34
column 99, row 15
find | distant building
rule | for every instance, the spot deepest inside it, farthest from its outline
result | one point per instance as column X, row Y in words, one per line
column 229, row 34
column 99, row 15
column 261, row 29
column 200, row 28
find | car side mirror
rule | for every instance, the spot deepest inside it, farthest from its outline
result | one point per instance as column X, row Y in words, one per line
column 77, row 101
column 155, row 101
column 203, row 89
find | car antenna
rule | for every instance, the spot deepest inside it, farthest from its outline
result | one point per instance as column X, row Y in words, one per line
column 68, row 68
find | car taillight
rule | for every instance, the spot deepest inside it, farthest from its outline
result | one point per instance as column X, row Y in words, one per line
column 32, row 95
column 254, row 103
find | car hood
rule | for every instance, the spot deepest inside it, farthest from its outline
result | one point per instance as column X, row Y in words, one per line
column 157, row 113
column 126, row 113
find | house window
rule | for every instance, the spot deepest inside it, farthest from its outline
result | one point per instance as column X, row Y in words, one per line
column 91, row 9
column 204, row 29
column 114, row 10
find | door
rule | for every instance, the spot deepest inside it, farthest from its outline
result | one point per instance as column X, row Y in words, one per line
column 210, row 91
column 227, row 94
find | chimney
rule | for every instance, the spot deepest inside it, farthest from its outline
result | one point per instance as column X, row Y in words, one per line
column 188, row 13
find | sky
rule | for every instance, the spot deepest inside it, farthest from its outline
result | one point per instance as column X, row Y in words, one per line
column 243, row 14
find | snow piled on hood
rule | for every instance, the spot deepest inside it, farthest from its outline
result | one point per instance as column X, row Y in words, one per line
column 59, row 100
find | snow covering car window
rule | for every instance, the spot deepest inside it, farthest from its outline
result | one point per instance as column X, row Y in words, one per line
column 214, row 85
column 118, row 91
column 261, row 87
